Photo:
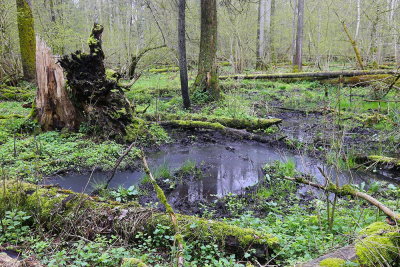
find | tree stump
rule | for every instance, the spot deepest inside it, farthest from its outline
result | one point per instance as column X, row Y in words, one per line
column 92, row 100
column 54, row 109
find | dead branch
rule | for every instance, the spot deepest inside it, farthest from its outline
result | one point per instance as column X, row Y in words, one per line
column 347, row 190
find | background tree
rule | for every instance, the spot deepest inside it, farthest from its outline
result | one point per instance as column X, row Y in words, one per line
column 182, row 54
column 27, row 39
column 207, row 76
column 298, row 56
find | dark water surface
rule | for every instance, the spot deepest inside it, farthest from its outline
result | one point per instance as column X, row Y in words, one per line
column 230, row 167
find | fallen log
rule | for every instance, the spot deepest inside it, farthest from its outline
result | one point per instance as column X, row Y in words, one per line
column 314, row 75
column 187, row 124
column 70, row 214
column 348, row 190
column 248, row 124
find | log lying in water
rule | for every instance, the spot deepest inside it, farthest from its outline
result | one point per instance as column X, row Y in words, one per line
column 248, row 124
column 73, row 214
column 314, row 75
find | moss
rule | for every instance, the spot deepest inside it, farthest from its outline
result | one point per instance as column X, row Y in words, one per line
column 378, row 243
column 92, row 41
column 111, row 74
column 384, row 160
column 16, row 93
column 332, row 262
column 11, row 116
column 198, row 124
column 170, row 69
column 248, row 124
column 27, row 39
column 132, row 262
column 56, row 209
column 207, row 230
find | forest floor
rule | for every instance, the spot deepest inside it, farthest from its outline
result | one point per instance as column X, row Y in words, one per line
column 333, row 124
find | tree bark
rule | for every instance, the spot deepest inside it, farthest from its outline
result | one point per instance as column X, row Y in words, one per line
column 207, row 77
column 54, row 110
column 298, row 56
column 182, row 54
column 27, row 41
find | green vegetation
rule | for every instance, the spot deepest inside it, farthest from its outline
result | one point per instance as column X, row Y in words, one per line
column 273, row 210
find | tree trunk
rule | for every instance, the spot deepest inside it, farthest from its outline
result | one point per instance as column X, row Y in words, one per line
column 182, row 54
column 272, row 32
column 298, row 57
column 260, row 35
column 54, row 109
column 27, row 39
column 207, row 77
column 293, row 45
column 358, row 19
column 354, row 45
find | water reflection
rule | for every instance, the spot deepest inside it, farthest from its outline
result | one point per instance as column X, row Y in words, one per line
column 230, row 167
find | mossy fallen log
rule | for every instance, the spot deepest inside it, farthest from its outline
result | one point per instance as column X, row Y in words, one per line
column 382, row 160
column 74, row 214
column 162, row 70
column 248, row 124
column 315, row 75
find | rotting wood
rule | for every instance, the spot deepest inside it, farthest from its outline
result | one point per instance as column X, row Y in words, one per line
column 58, row 210
column 54, row 109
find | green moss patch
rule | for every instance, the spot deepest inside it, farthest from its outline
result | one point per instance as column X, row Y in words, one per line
column 378, row 244
column 332, row 262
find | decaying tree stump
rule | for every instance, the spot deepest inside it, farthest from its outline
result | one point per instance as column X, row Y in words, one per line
column 94, row 92
column 54, row 109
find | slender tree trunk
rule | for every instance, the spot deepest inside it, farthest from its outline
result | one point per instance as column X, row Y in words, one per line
column 260, row 34
column 207, row 77
column 272, row 32
column 298, row 57
column 354, row 45
column 263, row 33
column 52, row 13
column 27, row 37
column 293, row 46
column 182, row 54
column 358, row 19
